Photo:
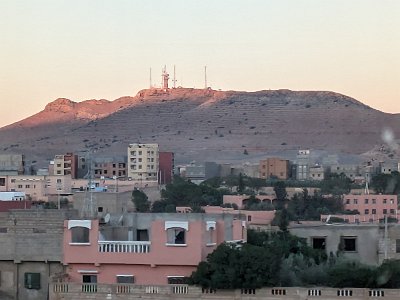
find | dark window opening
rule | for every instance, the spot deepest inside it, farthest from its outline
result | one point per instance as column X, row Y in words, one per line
column 397, row 245
column 79, row 235
column 176, row 236
column 142, row 235
column 125, row 279
column 100, row 209
column 319, row 243
column 349, row 244
column 2, row 181
column 177, row 280
column 32, row 281
column 89, row 278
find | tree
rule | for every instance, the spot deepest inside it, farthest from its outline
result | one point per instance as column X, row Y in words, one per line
column 140, row 199
column 241, row 186
column 280, row 190
column 336, row 184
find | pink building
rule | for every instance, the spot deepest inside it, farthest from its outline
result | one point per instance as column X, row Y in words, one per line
column 373, row 206
column 145, row 248
column 240, row 200
column 253, row 217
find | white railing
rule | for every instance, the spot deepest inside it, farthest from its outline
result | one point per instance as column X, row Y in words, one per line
column 152, row 289
column 180, row 289
column 89, row 287
column 124, row 246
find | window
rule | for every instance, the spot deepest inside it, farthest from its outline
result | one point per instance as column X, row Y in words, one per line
column 366, row 212
column 176, row 236
column 249, row 218
column 374, row 211
column 32, row 281
column 89, row 278
column 391, row 201
column 177, row 280
column 3, row 229
column 2, row 181
column 319, row 243
column 384, row 201
column 125, row 279
column 392, row 211
column 20, row 186
column 58, row 172
column 373, row 201
column 384, row 211
column 13, row 180
column 366, row 201
column 398, row 246
column 140, row 166
column 79, row 235
column 58, row 165
column 142, row 235
column 27, row 186
column 347, row 201
column 355, row 201
column 140, row 152
column 349, row 244
column 100, row 209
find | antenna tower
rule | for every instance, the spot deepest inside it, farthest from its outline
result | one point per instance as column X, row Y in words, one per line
column 174, row 80
column 87, row 209
column 151, row 84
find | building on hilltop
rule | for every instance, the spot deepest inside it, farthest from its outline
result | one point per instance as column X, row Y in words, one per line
column 143, row 162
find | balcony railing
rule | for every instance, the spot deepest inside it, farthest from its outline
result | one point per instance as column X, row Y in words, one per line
column 124, row 246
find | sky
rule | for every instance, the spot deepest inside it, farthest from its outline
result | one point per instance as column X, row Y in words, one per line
column 97, row 49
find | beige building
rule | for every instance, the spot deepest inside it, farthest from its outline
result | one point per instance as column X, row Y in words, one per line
column 316, row 173
column 143, row 162
column 274, row 167
column 65, row 164
column 12, row 164
column 36, row 188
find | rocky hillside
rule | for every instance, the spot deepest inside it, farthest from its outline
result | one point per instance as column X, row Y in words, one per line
column 203, row 125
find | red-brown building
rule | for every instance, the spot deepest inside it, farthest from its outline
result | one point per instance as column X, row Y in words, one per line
column 166, row 160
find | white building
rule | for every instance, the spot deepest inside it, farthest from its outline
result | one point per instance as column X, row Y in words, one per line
column 143, row 162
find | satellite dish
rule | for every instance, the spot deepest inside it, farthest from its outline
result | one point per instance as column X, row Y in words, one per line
column 107, row 218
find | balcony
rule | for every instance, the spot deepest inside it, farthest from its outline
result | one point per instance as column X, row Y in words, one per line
column 124, row 246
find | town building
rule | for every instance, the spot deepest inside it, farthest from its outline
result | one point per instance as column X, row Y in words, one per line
column 303, row 165
column 373, row 207
column 37, row 188
column 317, row 173
column 12, row 164
column 145, row 248
column 65, row 164
column 274, row 168
column 143, row 162
column 109, row 167
column 167, row 165
column 31, row 252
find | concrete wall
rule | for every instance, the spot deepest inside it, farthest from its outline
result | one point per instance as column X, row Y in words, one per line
column 30, row 241
column 367, row 239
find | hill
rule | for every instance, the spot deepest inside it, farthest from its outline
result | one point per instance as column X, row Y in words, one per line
column 204, row 125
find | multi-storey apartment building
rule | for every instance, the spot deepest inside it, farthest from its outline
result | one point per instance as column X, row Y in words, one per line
column 374, row 207
column 141, row 248
column 65, row 164
column 143, row 162
column 303, row 165
column 109, row 167
column 274, row 168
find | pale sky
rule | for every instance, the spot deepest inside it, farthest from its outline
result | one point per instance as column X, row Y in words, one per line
column 93, row 49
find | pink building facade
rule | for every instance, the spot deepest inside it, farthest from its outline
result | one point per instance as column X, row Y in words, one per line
column 143, row 248
column 240, row 200
column 376, row 206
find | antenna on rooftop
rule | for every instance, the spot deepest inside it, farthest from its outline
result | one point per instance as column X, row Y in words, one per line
column 87, row 209
column 164, row 78
column 174, row 80
column 205, row 77
column 151, row 84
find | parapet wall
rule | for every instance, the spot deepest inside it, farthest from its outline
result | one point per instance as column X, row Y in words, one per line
column 69, row 291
